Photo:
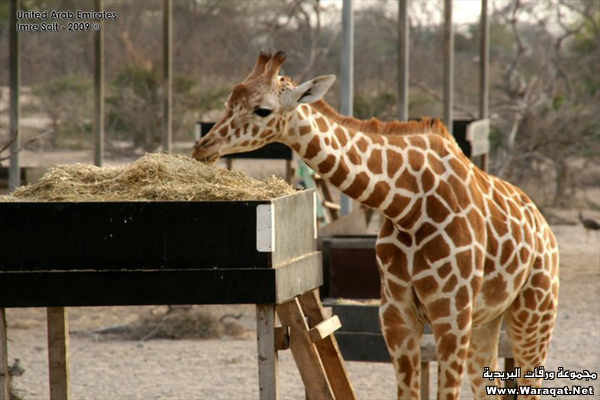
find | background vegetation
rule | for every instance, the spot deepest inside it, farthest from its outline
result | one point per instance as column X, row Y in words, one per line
column 544, row 82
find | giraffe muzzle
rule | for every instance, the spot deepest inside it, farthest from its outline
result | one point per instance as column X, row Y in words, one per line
column 207, row 150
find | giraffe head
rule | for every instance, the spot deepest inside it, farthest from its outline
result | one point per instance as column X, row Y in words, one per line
column 258, row 109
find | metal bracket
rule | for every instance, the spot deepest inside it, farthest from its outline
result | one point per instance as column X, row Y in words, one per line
column 265, row 228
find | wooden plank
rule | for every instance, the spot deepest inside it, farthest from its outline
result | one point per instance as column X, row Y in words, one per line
column 295, row 227
column 366, row 242
column 131, row 235
column 325, row 328
column 268, row 362
column 509, row 366
column 4, row 375
column 297, row 277
column 289, row 172
column 425, row 379
column 103, row 288
column 282, row 337
column 58, row 353
column 331, row 205
column 304, row 351
column 130, row 287
column 328, row 348
column 362, row 346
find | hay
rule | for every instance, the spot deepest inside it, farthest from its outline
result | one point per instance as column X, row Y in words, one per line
column 153, row 177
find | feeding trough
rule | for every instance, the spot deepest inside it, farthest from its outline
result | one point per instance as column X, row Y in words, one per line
column 137, row 235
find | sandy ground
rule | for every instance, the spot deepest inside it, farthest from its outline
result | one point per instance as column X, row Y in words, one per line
column 226, row 368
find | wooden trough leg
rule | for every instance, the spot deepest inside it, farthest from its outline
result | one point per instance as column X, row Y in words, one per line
column 328, row 348
column 305, row 352
column 268, row 362
column 58, row 353
column 424, row 380
column 509, row 366
column 4, row 376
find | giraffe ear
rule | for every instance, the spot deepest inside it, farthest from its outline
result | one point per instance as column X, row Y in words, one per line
column 313, row 90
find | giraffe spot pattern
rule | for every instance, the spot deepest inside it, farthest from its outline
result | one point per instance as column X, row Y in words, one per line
column 340, row 174
column 407, row 181
column 394, row 162
column 322, row 124
column 362, row 145
column 327, row 164
column 313, row 148
column 374, row 162
column 378, row 194
column 436, row 249
column 494, row 291
column 427, row 180
column 358, row 186
column 416, row 159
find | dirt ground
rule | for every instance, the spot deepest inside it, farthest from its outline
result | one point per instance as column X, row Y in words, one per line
column 226, row 368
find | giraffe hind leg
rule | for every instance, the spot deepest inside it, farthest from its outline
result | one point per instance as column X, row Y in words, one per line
column 483, row 352
column 530, row 322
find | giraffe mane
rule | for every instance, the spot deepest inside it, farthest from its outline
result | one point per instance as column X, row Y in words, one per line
column 375, row 126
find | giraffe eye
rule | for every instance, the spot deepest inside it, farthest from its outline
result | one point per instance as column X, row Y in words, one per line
column 263, row 112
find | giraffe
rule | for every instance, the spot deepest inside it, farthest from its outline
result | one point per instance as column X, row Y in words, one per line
column 459, row 249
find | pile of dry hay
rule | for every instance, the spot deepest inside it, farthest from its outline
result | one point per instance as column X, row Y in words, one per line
column 154, row 177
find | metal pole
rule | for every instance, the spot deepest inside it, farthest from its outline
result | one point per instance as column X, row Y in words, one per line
column 448, row 65
column 347, row 75
column 99, row 89
column 167, row 141
column 14, row 171
column 484, row 73
column 484, row 61
column 403, row 49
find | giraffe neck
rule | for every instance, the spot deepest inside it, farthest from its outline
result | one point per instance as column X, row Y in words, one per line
column 379, row 171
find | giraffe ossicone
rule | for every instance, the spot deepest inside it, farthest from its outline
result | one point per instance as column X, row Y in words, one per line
column 459, row 249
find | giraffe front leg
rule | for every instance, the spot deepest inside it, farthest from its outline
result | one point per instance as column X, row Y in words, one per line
column 402, row 332
column 483, row 352
column 449, row 310
column 452, row 346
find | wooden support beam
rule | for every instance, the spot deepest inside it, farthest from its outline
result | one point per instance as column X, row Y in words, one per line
column 331, row 205
column 304, row 351
column 328, row 348
column 268, row 362
column 425, row 380
column 282, row 338
column 289, row 171
column 325, row 328
column 509, row 366
column 4, row 375
column 58, row 353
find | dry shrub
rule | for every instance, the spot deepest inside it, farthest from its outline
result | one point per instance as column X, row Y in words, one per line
column 153, row 177
column 178, row 324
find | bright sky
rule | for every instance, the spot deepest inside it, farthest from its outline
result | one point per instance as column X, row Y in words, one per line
column 465, row 11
